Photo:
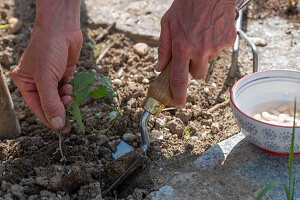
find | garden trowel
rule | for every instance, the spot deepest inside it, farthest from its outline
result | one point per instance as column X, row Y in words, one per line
column 159, row 95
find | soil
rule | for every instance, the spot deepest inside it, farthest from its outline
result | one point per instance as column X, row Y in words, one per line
column 30, row 166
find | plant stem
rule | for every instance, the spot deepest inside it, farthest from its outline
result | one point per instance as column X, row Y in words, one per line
column 60, row 148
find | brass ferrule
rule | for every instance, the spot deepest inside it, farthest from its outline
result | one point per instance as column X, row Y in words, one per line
column 153, row 106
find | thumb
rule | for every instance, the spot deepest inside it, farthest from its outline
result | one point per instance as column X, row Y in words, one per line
column 51, row 104
column 165, row 47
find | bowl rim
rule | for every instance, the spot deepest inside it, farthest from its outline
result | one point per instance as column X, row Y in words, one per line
column 236, row 83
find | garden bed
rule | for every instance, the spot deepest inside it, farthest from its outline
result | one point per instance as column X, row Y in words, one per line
column 30, row 165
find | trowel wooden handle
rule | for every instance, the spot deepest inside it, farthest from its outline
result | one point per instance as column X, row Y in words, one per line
column 160, row 89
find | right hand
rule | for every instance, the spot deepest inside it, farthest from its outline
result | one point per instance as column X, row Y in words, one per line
column 194, row 32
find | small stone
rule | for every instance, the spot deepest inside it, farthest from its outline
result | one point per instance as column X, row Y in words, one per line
column 43, row 181
column 115, row 100
column 2, row 168
column 8, row 196
column 33, row 197
column 184, row 115
column 160, row 123
column 146, row 81
column 141, row 49
column 197, row 111
column 206, row 90
column 129, row 137
column 258, row 41
column 214, row 85
column 194, row 82
column 103, row 139
column 17, row 190
column 176, row 126
column 120, row 72
column 5, row 186
column 22, row 116
column 113, row 145
column 215, row 128
column 117, row 82
column 14, row 24
column 6, row 58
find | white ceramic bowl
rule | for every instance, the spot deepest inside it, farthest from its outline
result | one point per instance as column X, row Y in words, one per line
column 266, row 88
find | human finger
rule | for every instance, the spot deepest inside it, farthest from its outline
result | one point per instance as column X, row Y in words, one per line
column 199, row 67
column 165, row 45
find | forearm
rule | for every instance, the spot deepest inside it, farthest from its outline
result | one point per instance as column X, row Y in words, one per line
column 58, row 15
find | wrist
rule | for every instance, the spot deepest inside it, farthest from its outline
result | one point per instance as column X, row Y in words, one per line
column 58, row 15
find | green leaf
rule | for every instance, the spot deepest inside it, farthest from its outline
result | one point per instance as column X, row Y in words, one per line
column 292, row 149
column 287, row 193
column 113, row 115
column 4, row 26
column 266, row 189
column 109, row 90
column 293, row 191
column 92, row 46
column 82, row 86
column 77, row 116
column 97, row 94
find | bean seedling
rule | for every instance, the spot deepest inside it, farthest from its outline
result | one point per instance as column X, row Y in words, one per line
column 82, row 85
column 92, row 46
column 290, row 190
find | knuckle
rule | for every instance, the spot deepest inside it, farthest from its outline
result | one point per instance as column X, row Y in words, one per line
column 50, row 108
column 178, row 82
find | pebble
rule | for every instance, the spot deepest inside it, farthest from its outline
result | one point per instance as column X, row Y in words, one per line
column 215, row 128
column 2, row 168
column 120, row 72
column 14, row 24
column 146, row 81
column 141, row 49
column 8, row 196
column 184, row 115
column 113, row 145
column 176, row 126
column 17, row 190
column 115, row 100
column 22, row 116
column 117, row 82
column 6, row 58
column 258, row 41
column 214, row 85
column 129, row 137
column 103, row 139
column 160, row 123
column 194, row 82
column 206, row 90
column 5, row 186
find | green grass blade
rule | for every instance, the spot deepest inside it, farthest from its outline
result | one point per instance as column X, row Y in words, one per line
column 266, row 189
column 293, row 190
column 286, row 192
column 92, row 46
column 4, row 26
column 292, row 149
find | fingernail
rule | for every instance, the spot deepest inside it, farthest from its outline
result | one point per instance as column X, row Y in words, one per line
column 179, row 106
column 57, row 123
